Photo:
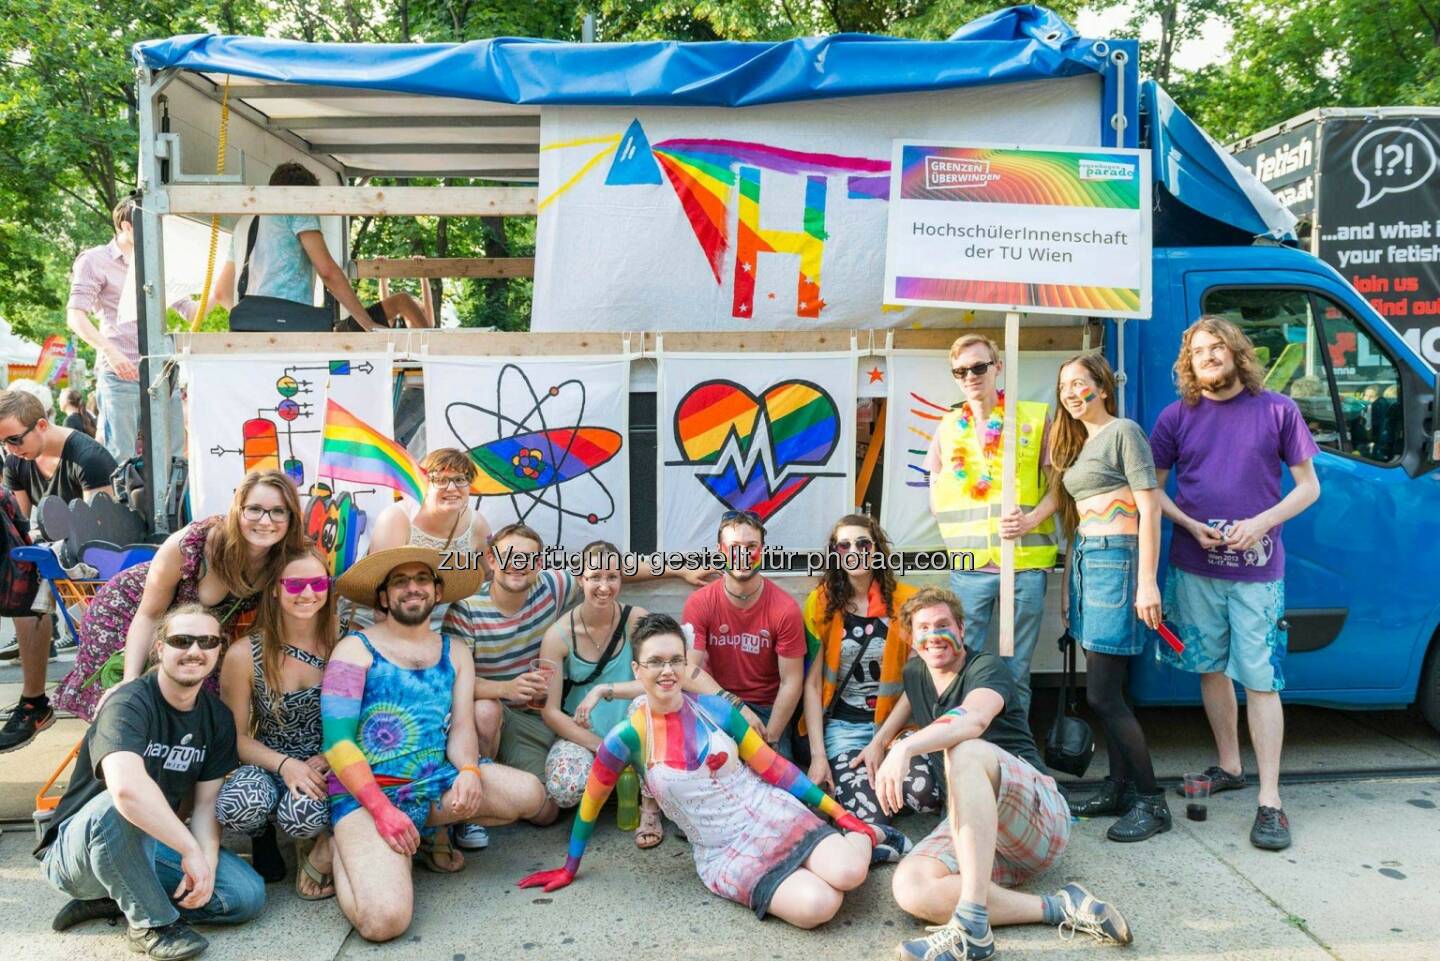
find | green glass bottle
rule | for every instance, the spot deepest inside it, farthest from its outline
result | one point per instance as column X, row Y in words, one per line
column 627, row 817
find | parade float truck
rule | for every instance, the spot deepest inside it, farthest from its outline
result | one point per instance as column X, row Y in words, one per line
column 709, row 325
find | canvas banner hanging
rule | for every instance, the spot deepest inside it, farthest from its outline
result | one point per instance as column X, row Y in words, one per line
column 549, row 437
column 922, row 390
column 769, row 433
column 767, row 217
column 263, row 411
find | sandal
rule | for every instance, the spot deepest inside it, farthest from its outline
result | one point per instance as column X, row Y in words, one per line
column 304, row 869
column 651, row 830
column 436, row 851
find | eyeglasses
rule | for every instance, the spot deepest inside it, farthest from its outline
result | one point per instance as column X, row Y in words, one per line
column 297, row 585
column 657, row 665
column 254, row 512
column 19, row 439
column 451, row 480
column 977, row 370
column 206, row 642
column 861, row 544
column 423, row 579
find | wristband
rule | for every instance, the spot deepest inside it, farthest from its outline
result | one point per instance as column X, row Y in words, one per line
column 470, row 767
column 281, row 766
column 609, row 692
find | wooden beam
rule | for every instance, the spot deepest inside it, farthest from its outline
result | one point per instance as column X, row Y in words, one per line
column 409, row 267
column 872, row 457
column 205, row 200
column 481, row 343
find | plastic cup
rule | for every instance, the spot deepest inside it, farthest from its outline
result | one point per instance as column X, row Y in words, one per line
column 547, row 667
column 1197, row 786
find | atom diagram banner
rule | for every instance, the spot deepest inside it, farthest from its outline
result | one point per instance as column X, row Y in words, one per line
column 549, row 438
column 769, row 433
column 922, row 390
column 263, row 412
column 767, row 217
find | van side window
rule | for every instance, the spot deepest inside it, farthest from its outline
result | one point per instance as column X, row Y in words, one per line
column 1314, row 351
column 1369, row 386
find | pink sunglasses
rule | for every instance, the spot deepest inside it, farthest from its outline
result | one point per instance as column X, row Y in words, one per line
column 297, row 585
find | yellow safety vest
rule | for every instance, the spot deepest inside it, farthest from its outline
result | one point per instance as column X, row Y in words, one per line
column 972, row 524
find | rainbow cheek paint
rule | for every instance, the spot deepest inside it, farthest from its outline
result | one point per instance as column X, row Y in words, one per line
column 1089, row 395
column 939, row 633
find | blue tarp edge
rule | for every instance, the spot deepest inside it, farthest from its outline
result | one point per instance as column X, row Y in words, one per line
column 1015, row 44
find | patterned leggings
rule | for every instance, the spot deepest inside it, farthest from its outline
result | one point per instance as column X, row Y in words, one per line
column 923, row 792
column 252, row 795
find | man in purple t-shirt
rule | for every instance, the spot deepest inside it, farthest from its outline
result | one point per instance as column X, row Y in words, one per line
column 1226, row 438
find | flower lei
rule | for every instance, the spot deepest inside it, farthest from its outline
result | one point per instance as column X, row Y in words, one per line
column 979, row 486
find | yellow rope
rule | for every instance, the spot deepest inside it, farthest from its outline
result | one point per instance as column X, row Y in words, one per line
column 215, row 218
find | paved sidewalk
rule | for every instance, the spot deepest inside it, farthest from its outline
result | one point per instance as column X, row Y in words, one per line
column 1359, row 885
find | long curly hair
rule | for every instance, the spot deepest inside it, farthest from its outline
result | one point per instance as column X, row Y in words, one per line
column 835, row 582
column 270, row 629
column 228, row 552
column 1247, row 365
column 1068, row 435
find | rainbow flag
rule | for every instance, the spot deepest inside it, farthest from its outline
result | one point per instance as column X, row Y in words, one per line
column 55, row 357
column 352, row 450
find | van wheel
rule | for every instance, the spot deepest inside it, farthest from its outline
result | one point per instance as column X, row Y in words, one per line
column 1429, row 693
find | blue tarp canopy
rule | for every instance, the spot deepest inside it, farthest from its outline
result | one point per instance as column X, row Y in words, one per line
column 1190, row 167
column 472, row 109
column 1014, row 44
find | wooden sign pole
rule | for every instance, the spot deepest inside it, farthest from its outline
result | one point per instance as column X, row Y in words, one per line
column 1008, row 488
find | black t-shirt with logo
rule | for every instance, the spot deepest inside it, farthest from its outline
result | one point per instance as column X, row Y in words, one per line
column 1011, row 728
column 179, row 748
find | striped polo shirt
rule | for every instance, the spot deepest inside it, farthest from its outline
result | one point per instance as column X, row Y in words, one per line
column 505, row 644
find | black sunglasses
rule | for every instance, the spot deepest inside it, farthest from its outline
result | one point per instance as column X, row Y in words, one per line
column 206, row 642
column 977, row 369
column 19, row 439
column 749, row 517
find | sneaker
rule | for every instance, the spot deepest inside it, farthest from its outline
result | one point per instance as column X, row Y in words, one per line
column 10, row 650
column 948, row 942
column 169, row 943
column 470, row 837
column 1149, row 816
column 1220, row 780
column 27, row 720
column 895, row 846
column 1272, row 829
column 78, row 912
column 1086, row 914
column 1114, row 798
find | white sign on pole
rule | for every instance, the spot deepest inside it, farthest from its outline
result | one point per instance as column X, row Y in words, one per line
column 1029, row 229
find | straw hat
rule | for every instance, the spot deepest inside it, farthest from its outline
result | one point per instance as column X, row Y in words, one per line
column 365, row 577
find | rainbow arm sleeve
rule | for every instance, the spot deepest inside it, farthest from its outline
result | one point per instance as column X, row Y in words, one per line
column 340, row 695
column 619, row 746
column 764, row 761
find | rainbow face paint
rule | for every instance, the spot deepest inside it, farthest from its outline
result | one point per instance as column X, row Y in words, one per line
column 1089, row 395
column 939, row 633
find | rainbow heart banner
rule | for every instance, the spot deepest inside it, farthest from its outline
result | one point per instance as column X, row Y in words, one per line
column 1031, row 229
column 774, row 436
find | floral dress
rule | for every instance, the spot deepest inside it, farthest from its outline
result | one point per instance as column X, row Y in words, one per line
column 107, row 621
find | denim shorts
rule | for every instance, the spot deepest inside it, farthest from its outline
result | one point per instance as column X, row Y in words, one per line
column 1233, row 626
column 1103, row 571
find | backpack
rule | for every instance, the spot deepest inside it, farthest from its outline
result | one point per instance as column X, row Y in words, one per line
column 19, row 580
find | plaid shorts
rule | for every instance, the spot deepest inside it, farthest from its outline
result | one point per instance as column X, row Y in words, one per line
column 1033, row 828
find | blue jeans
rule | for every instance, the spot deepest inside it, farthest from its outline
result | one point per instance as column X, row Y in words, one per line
column 979, row 593
column 119, row 427
column 99, row 854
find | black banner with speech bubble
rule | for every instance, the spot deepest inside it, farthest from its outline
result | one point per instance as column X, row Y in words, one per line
column 1379, row 218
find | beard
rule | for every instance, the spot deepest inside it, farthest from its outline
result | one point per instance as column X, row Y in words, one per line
column 1216, row 380
column 412, row 617
column 183, row 681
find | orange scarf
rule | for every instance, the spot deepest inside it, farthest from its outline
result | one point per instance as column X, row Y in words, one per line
column 823, row 636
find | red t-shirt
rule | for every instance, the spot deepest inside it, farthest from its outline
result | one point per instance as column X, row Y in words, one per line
column 743, row 647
